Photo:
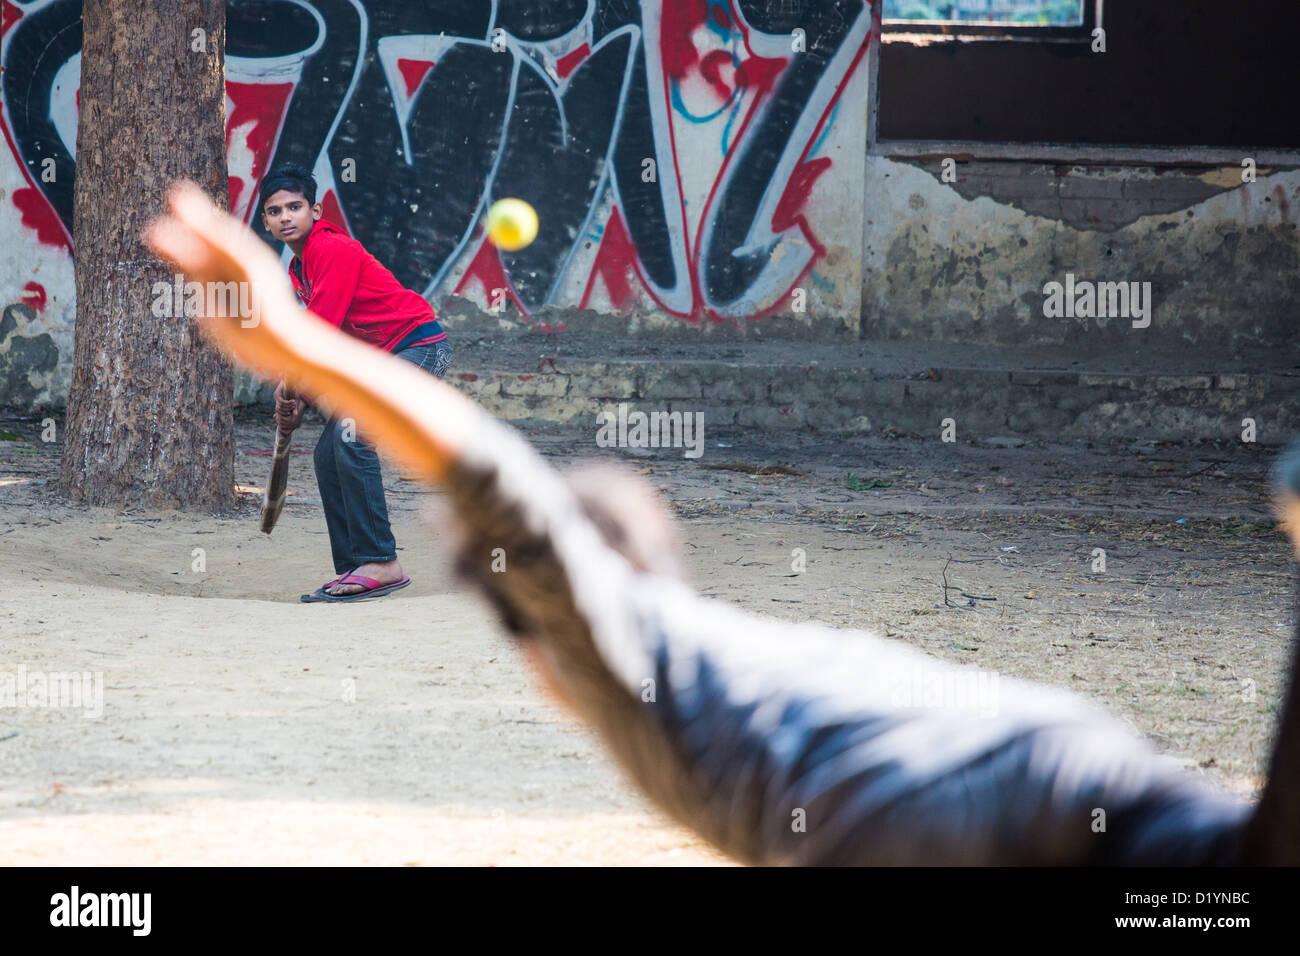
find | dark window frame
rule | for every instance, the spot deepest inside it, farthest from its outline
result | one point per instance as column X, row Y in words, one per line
column 954, row 146
column 957, row 31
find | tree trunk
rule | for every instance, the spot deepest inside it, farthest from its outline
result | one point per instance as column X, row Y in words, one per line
column 150, row 409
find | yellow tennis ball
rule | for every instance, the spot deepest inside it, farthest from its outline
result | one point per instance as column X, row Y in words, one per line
column 511, row 224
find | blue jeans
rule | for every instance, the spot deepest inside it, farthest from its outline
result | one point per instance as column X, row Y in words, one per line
column 351, row 485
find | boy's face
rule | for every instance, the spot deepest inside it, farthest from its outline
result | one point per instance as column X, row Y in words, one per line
column 288, row 215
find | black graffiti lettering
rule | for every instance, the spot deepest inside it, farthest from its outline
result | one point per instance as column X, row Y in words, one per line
column 732, row 261
column 538, row 20
column 555, row 157
column 320, row 94
column 415, row 216
column 646, row 205
column 50, row 37
column 438, row 117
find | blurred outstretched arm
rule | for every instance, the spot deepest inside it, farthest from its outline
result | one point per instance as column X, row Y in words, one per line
column 779, row 743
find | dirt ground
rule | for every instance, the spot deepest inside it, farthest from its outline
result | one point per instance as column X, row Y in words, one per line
column 240, row 726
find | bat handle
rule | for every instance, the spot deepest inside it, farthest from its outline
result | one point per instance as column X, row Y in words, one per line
column 289, row 394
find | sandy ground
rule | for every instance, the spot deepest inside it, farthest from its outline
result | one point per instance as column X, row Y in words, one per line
column 239, row 726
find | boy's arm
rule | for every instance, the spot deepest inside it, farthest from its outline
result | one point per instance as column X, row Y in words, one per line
column 335, row 273
column 336, row 269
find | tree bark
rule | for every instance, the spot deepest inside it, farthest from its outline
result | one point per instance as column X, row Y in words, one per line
column 150, row 410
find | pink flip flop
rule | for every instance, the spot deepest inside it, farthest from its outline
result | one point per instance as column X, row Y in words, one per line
column 319, row 593
column 372, row 588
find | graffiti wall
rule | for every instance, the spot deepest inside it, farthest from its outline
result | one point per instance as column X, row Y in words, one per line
column 695, row 160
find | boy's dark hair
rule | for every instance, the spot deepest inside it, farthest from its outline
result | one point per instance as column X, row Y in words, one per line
column 290, row 176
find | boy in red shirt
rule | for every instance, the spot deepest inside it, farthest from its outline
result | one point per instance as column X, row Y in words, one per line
column 346, row 286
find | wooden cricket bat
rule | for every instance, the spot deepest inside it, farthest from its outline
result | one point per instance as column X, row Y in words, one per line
column 277, row 485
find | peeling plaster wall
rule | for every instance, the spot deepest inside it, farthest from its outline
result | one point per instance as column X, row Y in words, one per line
column 967, row 262
column 38, row 308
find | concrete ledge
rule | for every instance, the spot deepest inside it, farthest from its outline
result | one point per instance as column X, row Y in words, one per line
column 859, row 388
